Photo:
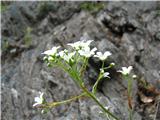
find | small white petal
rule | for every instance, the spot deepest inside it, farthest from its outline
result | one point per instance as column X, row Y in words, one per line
column 120, row 71
column 99, row 54
column 107, row 53
column 37, row 99
column 134, row 76
column 53, row 51
column 41, row 95
column 61, row 54
column 94, row 49
column 87, row 52
column 48, row 52
column 106, row 74
column 130, row 68
column 35, row 104
column 85, row 44
column 43, row 111
column 80, row 44
column 106, row 107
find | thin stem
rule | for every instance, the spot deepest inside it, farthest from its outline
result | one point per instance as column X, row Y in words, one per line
column 100, row 105
column 95, row 86
column 102, row 64
column 65, row 68
column 129, row 91
column 76, row 60
column 107, row 67
column 156, row 111
column 97, row 81
column 129, row 87
column 52, row 104
column 95, row 99
column 130, row 114
column 83, row 66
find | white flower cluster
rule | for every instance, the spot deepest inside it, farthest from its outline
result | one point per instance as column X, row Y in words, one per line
column 74, row 61
column 82, row 47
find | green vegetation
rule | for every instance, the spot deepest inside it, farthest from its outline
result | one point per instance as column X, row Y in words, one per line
column 158, row 12
column 3, row 7
column 27, row 36
column 5, row 45
column 92, row 6
column 45, row 8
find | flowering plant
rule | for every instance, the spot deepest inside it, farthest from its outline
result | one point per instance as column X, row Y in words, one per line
column 74, row 61
column 126, row 72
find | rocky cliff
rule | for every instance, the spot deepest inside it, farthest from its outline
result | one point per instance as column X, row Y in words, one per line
column 130, row 30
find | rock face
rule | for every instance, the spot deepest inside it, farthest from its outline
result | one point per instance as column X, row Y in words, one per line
column 130, row 30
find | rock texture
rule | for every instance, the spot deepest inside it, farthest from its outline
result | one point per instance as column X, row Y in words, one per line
column 130, row 30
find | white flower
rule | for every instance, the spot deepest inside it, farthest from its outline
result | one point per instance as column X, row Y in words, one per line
column 66, row 56
column 87, row 52
column 80, row 44
column 104, row 74
column 75, row 45
column 38, row 100
column 85, row 44
column 134, row 76
column 53, row 51
column 125, row 70
column 102, row 56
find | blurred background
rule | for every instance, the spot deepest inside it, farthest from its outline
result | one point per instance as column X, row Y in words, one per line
column 130, row 30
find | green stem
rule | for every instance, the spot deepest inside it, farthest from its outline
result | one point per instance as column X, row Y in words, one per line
column 76, row 60
column 129, row 87
column 100, row 105
column 83, row 66
column 129, row 90
column 50, row 105
column 65, row 68
column 102, row 64
column 107, row 67
column 94, row 89
column 130, row 114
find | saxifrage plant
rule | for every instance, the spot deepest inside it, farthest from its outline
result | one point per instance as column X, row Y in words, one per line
column 74, row 62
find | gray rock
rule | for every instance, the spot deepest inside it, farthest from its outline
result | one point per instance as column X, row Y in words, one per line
column 127, row 29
